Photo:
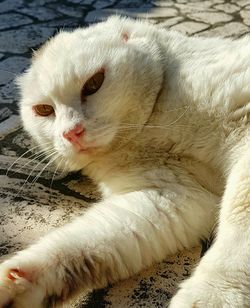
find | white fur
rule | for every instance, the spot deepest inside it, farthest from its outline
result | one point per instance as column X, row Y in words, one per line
column 168, row 129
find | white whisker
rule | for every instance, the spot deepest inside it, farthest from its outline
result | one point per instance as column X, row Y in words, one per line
column 34, row 158
column 49, row 163
column 39, row 163
column 54, row 173
column 26, row 152
column 8, row 170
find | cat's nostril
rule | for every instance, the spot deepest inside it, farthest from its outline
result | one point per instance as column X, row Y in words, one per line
column 74, row 134
column 78, row 134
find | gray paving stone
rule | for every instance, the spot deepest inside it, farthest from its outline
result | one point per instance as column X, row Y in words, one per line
column 98, row 15
column 11, row 67
column 8, row 93
column 170, row 22
column 8, row 5
column 163, row 3
column 69, row 11
column 163, row 12
column 87, row 2
column 190, row 27
column 195, row 7
column 227, row 8
column 22, row 40
column 245, row 14
column 36, row 3
column 102, row 4
column 64, row 24
column 217, row 1
column 210, row 17
column 4, row 113
column 10, row 125
column 13, row 20
column 41, row 13
column 14, row 66
column 139, row 4
column 230, row 29
column 241, row 2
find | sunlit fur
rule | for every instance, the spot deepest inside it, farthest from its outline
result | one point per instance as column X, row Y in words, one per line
column 58, row 81
column 168, row 144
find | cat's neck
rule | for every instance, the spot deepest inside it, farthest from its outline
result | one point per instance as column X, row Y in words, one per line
column 182, row 117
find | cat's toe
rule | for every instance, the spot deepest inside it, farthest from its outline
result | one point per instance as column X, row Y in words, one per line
column 208, row 291
column 17, row 288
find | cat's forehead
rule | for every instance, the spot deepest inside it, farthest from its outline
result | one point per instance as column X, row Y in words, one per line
column 96, row 37
column 73, row 57
column 70, row 56
column 69, row 45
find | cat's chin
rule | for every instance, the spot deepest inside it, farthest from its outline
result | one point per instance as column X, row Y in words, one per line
column 86, row 151
column 79, row 159
column 71, row 166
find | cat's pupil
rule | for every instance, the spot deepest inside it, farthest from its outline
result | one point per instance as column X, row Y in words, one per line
column 92, row 85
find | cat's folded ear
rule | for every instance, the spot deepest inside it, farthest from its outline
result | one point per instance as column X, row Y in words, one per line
column 129, row 29
column 122, row 25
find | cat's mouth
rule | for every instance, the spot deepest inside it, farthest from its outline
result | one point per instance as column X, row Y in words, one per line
column 85, row 149
column 88, row 151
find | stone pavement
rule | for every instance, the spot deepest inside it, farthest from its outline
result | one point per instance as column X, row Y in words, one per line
column 30, row 203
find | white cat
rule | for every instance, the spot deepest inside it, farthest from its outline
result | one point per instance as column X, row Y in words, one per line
column 161, row 123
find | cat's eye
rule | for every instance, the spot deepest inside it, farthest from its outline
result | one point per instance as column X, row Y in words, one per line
column 92, row 85
column 43, row 110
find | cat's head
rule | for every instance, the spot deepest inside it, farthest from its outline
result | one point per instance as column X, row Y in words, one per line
column 85, row 86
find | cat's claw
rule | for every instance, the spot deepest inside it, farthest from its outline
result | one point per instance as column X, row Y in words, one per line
column 17, row 289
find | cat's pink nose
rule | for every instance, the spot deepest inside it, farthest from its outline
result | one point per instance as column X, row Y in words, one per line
column 74, row 134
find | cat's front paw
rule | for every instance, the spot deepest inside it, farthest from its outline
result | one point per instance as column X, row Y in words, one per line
column 19, row 286
column 211, row 290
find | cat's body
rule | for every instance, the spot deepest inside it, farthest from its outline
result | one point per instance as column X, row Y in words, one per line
column 163, row 136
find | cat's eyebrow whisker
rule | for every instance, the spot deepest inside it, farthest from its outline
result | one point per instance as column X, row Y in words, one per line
column 121, row 129
column 170, row 110
column 134, row 125
column 151, row 126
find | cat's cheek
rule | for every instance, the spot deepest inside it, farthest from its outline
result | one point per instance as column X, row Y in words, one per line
column 102, row 141
column 73, row 163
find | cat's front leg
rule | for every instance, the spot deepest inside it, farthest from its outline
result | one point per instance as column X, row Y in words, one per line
column 33, row 277
column 113, row 240
column 222, row 279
